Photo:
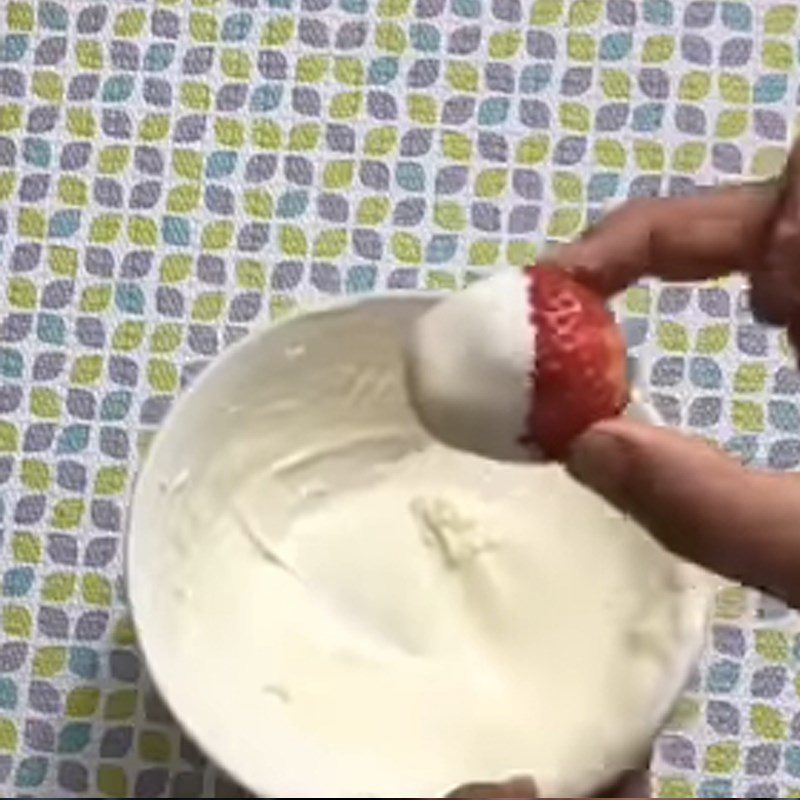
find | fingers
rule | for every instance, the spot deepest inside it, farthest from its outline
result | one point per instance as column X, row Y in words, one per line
column 677, row 239
column 782, row 261
column 698, row 502
column 631, row 784
column 635, row 783
column 769, row 299
column 514, row 789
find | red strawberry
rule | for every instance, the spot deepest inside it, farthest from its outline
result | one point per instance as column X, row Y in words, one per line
column 579, row 373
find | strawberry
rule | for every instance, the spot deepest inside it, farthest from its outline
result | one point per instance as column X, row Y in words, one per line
column 579, row 373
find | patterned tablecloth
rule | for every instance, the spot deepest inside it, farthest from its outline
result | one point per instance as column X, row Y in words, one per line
column 171, row 172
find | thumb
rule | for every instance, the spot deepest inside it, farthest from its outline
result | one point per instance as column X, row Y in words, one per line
column 697, row 501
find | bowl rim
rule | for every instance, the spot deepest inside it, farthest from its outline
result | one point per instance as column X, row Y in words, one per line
column 134, row 586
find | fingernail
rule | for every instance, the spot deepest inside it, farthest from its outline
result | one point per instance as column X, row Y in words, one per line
column 599, row 460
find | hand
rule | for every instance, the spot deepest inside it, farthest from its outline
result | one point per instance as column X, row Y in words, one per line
column 751, row 229
column 697, row 501
column 632, row 784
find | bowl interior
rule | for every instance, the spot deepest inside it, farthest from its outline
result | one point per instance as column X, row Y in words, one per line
column 233, row 431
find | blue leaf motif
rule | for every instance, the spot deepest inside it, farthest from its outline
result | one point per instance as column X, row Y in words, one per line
column 129, row 298
column 361, row 278
column 424, row 37
column 659, row 12
column 737, row 16
column 535, row 77
column 602, row 186
column 716, row 787
column 292, row 204
column 115, row 406
column 159, row 56
column 74, row 737
column 615, row 46
column 493, row 111
column 51, row 329
column 440, row 248
column 31, row 772
column 770, row 88
column 17, row 582
column 723, row 676
column 83, row 662
column 221, row 164
column 410, row 177
column 73, row 439
column 648, row 117
column 37, row 152
column 11, row 364
column 64, row 224
column 467, row 8
column 13, row 47
column 118, row 88
column 382, row 70
column 176, row 230
column 266, row 97
column 53, row 16
column 236, row 27
column 8, row 693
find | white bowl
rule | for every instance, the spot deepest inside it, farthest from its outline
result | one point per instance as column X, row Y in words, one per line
column 166, row 528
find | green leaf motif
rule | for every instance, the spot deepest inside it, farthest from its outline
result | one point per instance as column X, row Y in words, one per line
column 546, row 12
column 575, row 117
column 505, row 45
column 750, row 378
column 689, row 157
column 673, row 337
column 694, row 86
column 462, row 76
column 712, row 339
column 584, row 12
column 568, row 187
column 735, row 89
column 780, row 20
column 658, row 49
column 491, row 183
column 483, row 253
column 649, row 156
column 406, row 248
column 278, row 32
column 456, row 146
column 217, row 235
column 748, row 416
column 767, row 722
column 67, row 513
column 520, row 253
column 450, row 215
column 722, row 758
column 330, row 244
column 373, row 210
column 778, row 56
column 380, row 141
column 293, row 241
column 258, row 203
column 58, row 587
column 96, row 590
column 564, row 223
column 533, row 150
column 112, row 781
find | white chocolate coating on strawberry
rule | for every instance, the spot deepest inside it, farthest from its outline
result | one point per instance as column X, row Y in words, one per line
column 470, row 367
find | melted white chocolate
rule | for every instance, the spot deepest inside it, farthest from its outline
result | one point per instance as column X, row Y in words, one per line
column 338, row 606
